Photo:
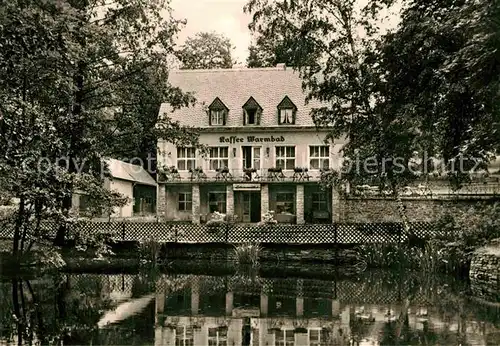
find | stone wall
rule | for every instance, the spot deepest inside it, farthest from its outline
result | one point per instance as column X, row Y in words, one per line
column 385, row 210
column 485, row 272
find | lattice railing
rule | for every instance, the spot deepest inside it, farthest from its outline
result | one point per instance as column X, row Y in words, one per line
column 339, row 233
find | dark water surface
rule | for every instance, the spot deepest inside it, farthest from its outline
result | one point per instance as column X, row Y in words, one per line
column 374, row 308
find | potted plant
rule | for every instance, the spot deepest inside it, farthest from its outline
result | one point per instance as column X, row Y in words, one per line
column 268, row 218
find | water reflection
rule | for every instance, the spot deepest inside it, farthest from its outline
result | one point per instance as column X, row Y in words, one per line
column 159, row 309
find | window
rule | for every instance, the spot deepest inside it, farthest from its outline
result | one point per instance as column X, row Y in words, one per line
column 286, row 116
column 285, row 157
column 186, row 159
column 314, row 337
column 285, row 202
column 217, row 117
column 185, row 201
column 217, row 202
column 285, row 337
column 251, row 116
column 219, row 158
column 319, row 157
column 286, row 112
column 319, row 201
column 184, row 336
column 217, row 336
column 251, row 112
column 217, row 113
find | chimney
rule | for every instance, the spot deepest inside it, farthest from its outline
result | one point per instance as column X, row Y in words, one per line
column 281, row 66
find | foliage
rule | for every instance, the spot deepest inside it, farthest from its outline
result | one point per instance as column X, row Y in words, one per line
column 437, row 256
column 360, row 75
column 268, row 218
column 96, row 244
column 77, row 80
column 247, row 254
column 206, row 50
column 49, row 258
column 467, row 230
column 149, row 250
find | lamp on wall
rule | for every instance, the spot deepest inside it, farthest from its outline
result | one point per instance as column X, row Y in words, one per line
column 267, row 152
column 234, row 152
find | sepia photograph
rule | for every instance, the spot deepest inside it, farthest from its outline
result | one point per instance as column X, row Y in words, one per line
column 250, row 172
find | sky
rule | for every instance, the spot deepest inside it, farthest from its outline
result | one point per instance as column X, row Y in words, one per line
column 226, row 17
column 222, row 16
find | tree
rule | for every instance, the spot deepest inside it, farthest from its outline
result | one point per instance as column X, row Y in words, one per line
column 333, row 44
column 429, row 87
column 63, row 66
column 270, row 51
column 449, row 52
column 206, row 50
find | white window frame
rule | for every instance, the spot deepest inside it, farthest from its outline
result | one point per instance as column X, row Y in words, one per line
column 282, row 334
column 322, row 156
column 217, row 117
column 187, row 202
column 316, row 343
column 184, row 158
column 286, row 113
column 285, row 158
column 183, row 339
column 218, row 159
column 220, row 340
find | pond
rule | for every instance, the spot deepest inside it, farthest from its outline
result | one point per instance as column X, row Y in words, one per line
column 155, row 308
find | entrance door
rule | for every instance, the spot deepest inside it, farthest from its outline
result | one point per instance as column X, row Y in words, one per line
column 249, row 206
column 255, row 207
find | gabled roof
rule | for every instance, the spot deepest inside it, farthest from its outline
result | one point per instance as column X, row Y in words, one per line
column 251, row 104
column 268, row 86
column 286, row 103
column 126, row 171
column 217, row 104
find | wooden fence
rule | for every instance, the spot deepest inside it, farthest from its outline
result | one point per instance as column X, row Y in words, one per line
column 338, row 233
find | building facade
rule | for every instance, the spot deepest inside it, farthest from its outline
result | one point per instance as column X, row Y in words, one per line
column 262, row 150
column 132, row 182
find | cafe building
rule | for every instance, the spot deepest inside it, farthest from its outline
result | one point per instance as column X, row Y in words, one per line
column 262, row 151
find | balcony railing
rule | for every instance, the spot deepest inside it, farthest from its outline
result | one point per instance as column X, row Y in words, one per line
column 242, row 175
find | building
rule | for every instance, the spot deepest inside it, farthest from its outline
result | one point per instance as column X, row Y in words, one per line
column 132, row 182
column 263, row 154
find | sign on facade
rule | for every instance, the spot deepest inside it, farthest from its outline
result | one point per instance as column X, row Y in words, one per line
column 251, row 139
column 246, row 187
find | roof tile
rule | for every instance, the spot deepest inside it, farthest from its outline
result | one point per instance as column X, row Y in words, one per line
column 234, row 87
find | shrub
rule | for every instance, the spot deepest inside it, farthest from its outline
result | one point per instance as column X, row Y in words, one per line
column 247, row 254
column 268, row 218
column 149, row 250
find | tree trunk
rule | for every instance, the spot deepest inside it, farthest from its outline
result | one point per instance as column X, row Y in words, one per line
column 76, row 134
column 17, row 230
column 17, row 311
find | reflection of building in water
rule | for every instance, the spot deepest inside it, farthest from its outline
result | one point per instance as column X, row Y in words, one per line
column 224, row 313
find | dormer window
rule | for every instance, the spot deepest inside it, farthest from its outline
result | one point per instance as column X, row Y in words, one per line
column 217, row 113
column 216, row 117
column 251, row 112
column 286, row 112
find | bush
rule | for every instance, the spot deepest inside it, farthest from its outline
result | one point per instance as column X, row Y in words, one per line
column 149, row 250
column 247, row 254
column 268, row 218
column 464, row 232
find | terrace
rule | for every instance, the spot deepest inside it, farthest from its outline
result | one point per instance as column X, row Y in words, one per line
column 266, row 175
